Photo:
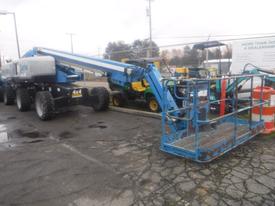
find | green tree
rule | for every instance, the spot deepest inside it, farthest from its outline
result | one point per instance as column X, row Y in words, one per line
column 118, row 51
column 190, row 57
column 177, row 57
column 138, row 49
column 141, row 47
column 227, row 53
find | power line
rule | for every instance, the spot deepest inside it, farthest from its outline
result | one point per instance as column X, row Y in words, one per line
column 221, row 40
column 206, row 36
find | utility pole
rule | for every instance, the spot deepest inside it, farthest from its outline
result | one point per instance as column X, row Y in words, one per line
column 16, row 34
column 149, row 14
column 71, row 39
column 207, row 52
column 15, row 27
column 98, row 51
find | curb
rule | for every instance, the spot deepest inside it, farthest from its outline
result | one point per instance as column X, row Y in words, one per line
column 135, row 112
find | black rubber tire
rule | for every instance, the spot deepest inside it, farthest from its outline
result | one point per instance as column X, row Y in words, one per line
column 1, row 94
column 8, row 96
column 23, row 100
column 119, row 100
column 153, row 99
column 101, row 98
column 85, row 97
column 44, row 105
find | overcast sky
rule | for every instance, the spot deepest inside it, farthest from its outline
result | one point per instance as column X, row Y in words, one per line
column 96, row 22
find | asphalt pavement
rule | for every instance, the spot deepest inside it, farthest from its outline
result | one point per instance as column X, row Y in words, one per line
column 84, row 158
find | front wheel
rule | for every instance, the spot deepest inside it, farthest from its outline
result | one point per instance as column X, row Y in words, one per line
column 44, row 105
column 152, row 104
column 119, row 100
column 100, row 98
column 8, row 96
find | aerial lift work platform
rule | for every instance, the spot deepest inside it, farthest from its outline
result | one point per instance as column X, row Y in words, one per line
column 192, row 131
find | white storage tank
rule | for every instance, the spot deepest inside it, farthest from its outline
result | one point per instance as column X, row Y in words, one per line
column 31, row 67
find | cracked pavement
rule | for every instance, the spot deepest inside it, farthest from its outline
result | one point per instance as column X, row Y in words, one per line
column 83, row 158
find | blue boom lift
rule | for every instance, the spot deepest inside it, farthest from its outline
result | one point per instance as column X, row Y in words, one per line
column 58, row 89
column 119, row 73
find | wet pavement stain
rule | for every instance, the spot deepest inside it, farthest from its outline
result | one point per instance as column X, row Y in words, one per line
column 19, row 133
column 144, row 182
column 97, row 126
column 10, row 118
column 78, row 128
column 65, row 135
column 33, row 141
column 29, row 134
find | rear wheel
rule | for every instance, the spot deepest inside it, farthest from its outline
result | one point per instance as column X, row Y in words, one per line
column 8, row 96
column 44, row 105
column 100, row 98
column 85, row 97
column 119, row 100
column 23, row 100
column 152, row 104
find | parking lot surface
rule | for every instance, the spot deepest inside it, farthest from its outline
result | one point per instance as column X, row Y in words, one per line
column 84, row 158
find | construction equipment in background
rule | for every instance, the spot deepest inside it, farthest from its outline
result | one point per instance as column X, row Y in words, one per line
column 138, row 90
column 217, row 66
column 210, row 69
column 222, row 66
column 243, row 85
column 141, row 89
column 268, row 109
column 194, row 72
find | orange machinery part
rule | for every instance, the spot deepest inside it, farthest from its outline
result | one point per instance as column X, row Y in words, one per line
column 223, row 97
